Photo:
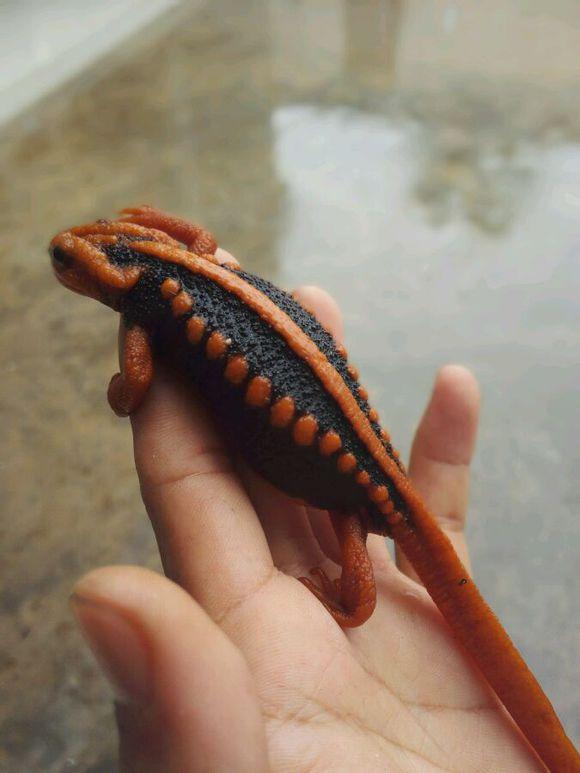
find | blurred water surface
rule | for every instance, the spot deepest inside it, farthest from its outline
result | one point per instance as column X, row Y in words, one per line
column 419, row 160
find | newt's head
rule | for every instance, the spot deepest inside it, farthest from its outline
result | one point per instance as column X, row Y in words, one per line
column 96, row 259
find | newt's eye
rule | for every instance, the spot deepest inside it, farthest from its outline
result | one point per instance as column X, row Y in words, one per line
column 60, row 258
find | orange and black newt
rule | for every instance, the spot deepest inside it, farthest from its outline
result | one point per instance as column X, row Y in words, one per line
column 289, row 400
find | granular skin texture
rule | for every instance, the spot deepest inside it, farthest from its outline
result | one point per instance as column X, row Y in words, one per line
column 305, row 473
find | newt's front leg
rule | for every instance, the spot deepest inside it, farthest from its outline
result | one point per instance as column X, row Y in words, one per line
column 195, row 238
column 128, row 388
column 352, row 599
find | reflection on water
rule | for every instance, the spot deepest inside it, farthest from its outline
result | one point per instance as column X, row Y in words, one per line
column 421, row 160
column 462, row 179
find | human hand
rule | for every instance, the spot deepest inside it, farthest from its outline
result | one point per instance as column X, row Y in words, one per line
column 233, row 665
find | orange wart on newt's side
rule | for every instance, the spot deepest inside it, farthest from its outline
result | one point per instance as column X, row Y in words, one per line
column 292, row 404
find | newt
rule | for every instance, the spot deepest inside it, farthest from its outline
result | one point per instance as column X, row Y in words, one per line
column 294, row 408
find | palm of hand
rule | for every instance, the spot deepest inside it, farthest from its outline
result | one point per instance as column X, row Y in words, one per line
column 397, row 694
column 246, row 670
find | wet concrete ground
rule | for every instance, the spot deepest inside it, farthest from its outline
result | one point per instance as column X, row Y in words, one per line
column 419, row 160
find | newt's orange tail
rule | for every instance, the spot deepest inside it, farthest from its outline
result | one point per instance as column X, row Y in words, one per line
column 478, row 629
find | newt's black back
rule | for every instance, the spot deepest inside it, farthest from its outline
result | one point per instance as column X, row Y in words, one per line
column 301, row 472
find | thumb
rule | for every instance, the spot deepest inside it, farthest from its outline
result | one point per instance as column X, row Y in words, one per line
column 186, row 700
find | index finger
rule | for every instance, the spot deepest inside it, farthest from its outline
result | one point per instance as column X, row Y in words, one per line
column 209, row 536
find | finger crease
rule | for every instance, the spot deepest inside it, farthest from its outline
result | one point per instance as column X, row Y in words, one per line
column 444, row 462
column 211, row 462
column 238, row 603
column 452, row 523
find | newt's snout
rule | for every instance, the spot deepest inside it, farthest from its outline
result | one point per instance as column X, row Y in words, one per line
column 81, row 265
column 61, row 260
column 70, row 270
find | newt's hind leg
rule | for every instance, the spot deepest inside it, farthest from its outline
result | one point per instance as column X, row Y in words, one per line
column 350, row 600
column 128, row 388
column 195, row 238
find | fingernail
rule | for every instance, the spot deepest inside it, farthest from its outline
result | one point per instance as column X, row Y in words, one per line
column 118, row 646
